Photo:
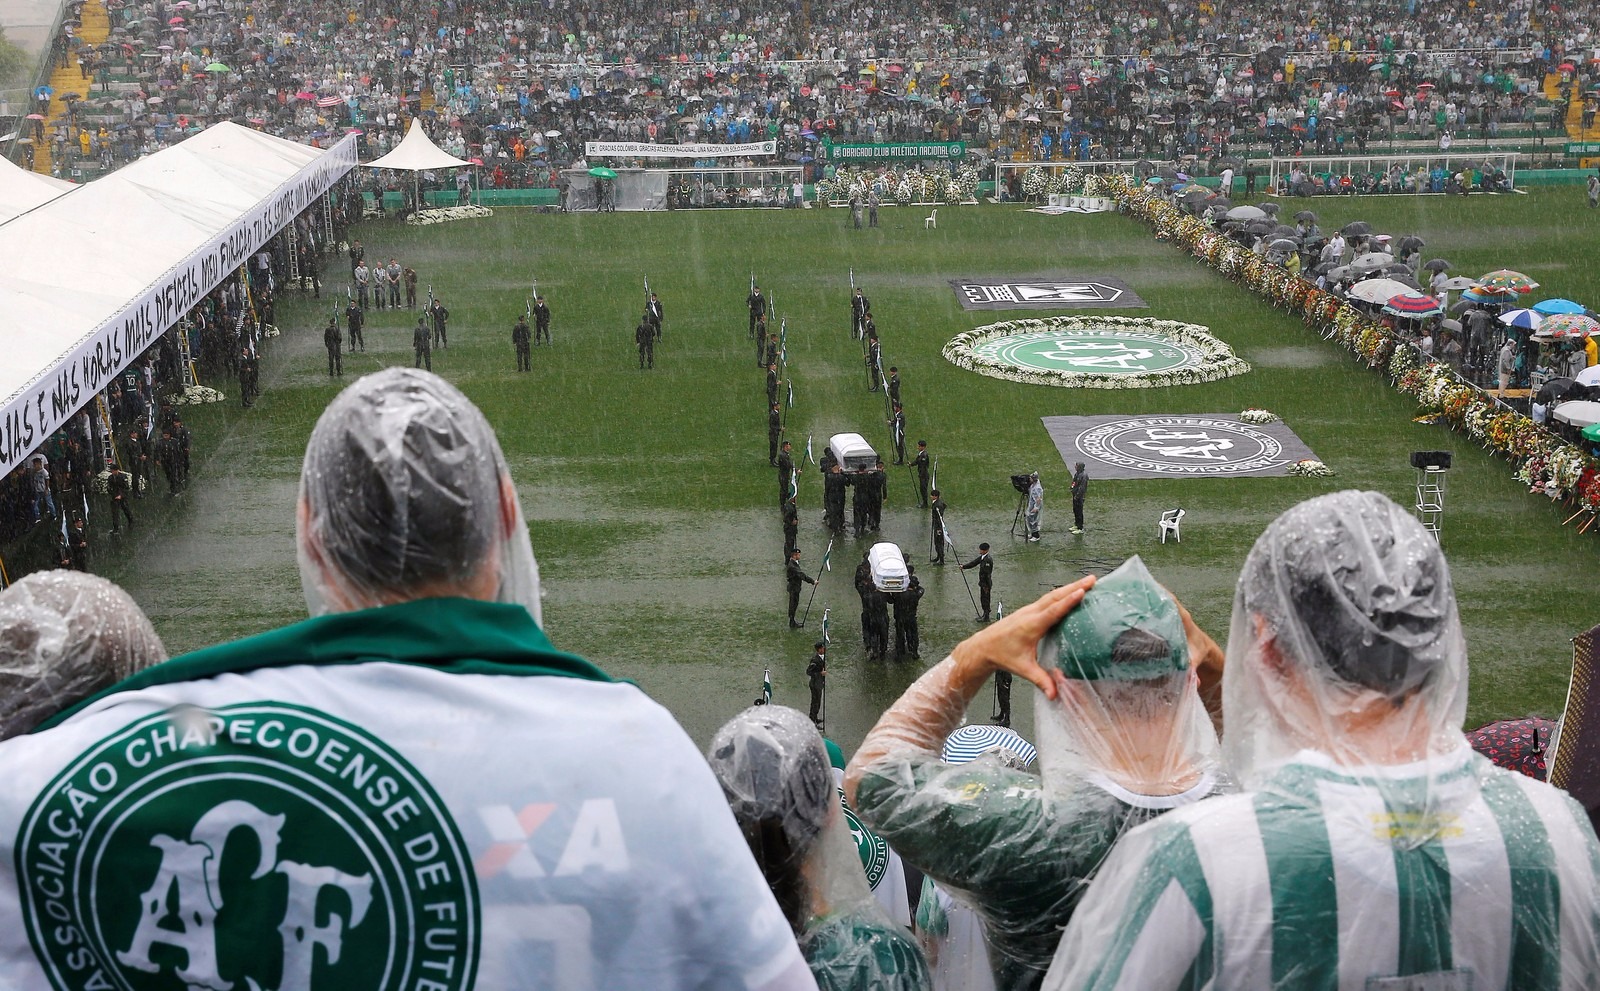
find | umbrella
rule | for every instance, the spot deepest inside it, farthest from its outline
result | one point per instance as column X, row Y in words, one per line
column 175, row 20
column 1556, row 388
column 1372, row 262
column 1246, row 213
column 601, row 172
column 1409, row 243
column 1285, row 244
column 1453, row 326
column 1271, row 209
column 972, row 742
column 1458, row 283
column 1592, row 431
column 1546, row 306
column 1515, row 744
column 1306, row 215
column 1568, row 325
column 552, row 134
column 1525, row 319
column 1358, row 228
column 1483, row 294
column 155, row 100
column 1413, row 306
column 1505, row 278
column 1341, row 273
column 217, row 67
column 1436, row 265
column 1590, row 376
column 1378, row 290
column 36, row 116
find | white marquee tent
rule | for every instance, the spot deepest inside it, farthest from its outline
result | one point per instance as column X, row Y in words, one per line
column 416, row 152
column 93, row 278
column 21, row 190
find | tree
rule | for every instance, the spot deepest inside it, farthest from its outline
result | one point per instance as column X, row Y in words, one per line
column 14, row 60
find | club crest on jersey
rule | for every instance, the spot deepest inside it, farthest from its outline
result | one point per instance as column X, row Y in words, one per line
column 258, row 847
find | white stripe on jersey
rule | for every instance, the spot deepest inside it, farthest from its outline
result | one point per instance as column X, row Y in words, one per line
column 1365, row 887
column 1234, row 862
column 1567, row 839
column 1480, row 896
column 1167, row 945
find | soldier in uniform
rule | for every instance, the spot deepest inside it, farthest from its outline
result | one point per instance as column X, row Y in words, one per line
column 897, row 430
column 653, row 313
column 118, row 486
column 859, row 307
column 1002, row 698
column 985, row 565
column 78, row 544
column 441, row 328
column 772, row 383
column 938, row 527
column 422, row 344
column 645, row 337
column 772, row 350
column 791, row 526
column 758, row 311
column 760, row 337
column 355, row 319
column 920, row 462
column 865, row 589
column 874, row 359
column 184, row 442
column 785, row 471
column 795, row 576
column 167, row 457
column 521, row 339
column 833, row 486
column 250, row 377
column 817, row 675
column 332, row 340
column 136, row 455
column 906, row 640
column 877, row 612
column 774, row 431
column 541, row 321
column 860, row 496
column 894, row 385
column 408, row 275
column 878, row 492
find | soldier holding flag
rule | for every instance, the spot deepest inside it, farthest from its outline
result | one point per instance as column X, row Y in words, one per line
column 541, row 320
column 757, row 305
column 522, row 341
column 817, row 677
column 795, row 576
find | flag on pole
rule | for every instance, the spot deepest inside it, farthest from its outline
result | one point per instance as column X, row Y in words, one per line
column 752, row 280
column 852, row 278
column 791, row 393
column 783, row 332
column 933, row 475
column 766, row 686
column 825, row 638
column 999, row 611
column 794, row 484
column 826, row 554
column 944, row 528
column 809, row 458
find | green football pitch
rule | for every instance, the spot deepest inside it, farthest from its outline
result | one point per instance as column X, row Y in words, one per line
column 653, row 510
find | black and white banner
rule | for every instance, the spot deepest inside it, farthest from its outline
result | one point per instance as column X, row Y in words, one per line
column 1201, row 445
column 1100, row 291
column 647, row 149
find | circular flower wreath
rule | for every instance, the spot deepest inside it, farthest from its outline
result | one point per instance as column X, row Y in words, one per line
column 1217, row 360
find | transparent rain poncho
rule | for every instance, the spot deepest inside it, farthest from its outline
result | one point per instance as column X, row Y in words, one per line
column 1125, row 739
column 1372, row 850
column 775, row 773
column 64, row 636
column 404, row 495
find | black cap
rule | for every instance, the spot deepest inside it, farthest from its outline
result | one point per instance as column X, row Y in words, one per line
column 820, row 644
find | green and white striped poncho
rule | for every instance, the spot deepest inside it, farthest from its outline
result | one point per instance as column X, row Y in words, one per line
column 1450, row 875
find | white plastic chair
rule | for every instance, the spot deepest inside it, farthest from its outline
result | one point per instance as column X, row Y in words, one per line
column 1170, row 522
column 931, row 222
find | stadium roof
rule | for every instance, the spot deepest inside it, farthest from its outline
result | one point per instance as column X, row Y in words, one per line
column 93, row 279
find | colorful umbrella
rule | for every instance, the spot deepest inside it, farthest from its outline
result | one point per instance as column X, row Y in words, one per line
column 972, row 742
column 1526, row 319
column 1413, row 305
column 1568, row 325
column 1484, row 294
column 601, row 172
column 1505, row 278
column 1549, row 306
column 1515, row 744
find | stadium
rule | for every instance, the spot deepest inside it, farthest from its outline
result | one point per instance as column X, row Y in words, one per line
column 1229, row 259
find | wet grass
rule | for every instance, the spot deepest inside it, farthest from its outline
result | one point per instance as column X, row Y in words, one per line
column 653, row 510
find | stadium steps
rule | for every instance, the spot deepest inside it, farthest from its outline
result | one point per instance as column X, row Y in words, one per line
column 1552, row 86
column 94, row 28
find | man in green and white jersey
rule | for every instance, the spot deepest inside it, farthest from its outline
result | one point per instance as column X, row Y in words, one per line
column 1123, row 738
column 413, row 790
column 1372, row 849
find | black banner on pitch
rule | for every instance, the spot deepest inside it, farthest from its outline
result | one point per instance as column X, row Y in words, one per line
column 1202, row 445
column 1023, row 293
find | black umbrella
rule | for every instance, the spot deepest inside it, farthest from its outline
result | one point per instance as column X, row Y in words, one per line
column 1556, row 388
column 1436, row 265
column 1306, row 215
column 1284, row 230
column 1358, row 228
column 1271, row 209
column 1410, row 243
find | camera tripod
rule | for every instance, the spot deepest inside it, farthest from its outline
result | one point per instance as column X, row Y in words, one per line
column 1019, row 527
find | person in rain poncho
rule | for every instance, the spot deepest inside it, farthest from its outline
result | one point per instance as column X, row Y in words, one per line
column 1034, row 511
column 411, row 789
column 775, row 773
column 1371, row 850
column 64, row 636
column 1123, row 737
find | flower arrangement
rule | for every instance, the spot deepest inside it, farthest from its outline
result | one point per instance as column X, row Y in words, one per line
column 270, row 330
column 440, row 215
column 102, row 481
column 1310, row 468
column 195, row 395
column 1547, row 464
column 1257, row 416
column 1216, row 358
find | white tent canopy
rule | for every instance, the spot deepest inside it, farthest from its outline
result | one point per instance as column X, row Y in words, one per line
column 93, row 279
column 417, row 153
column 21, row 190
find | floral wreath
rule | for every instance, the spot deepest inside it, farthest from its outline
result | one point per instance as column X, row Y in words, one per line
column 1217, row 360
